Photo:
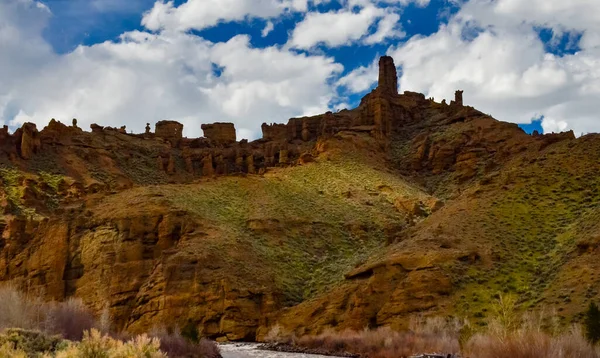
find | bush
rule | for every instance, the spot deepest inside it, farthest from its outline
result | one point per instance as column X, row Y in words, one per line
column 29, row 343
column 70, row 319
column 190, row 332
column 95, row 345
column 20, row 311
column 592, row 323
column 23, row 344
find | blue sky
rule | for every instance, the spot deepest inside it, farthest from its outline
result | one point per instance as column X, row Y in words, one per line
column 77, row 22
column 130, row 62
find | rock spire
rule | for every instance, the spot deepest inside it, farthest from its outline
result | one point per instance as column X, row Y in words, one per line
column 388, row 77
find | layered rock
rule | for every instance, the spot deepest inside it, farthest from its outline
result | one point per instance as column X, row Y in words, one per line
column 169, row 130
column 220, row 133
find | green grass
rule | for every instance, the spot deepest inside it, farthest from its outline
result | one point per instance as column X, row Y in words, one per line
column 294, row 227
column 11, row 182
column 534, row 221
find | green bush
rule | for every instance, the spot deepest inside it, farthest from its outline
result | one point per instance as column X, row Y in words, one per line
column 592, row 323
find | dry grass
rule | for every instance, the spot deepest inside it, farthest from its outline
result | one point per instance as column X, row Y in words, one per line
column 30, row 327
column 531, row 344
column 431, row 336
column 68, row 319
column 526, row 340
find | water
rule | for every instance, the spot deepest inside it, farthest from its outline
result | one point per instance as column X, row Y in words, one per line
column 250, row 350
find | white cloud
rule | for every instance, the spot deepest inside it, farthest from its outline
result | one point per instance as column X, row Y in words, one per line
column 361, row 79
column 200, row 14
column 387, row 28
column 147, row 77
column 493, row 52
column 345, row 26
column 267, row 29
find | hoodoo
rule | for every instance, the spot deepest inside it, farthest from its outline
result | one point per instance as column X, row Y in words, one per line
column 388, row 77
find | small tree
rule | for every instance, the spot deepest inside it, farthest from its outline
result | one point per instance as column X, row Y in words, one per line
column 592, row 323
column 505, row 309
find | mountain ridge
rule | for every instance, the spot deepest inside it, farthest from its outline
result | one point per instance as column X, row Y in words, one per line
column 353, row 219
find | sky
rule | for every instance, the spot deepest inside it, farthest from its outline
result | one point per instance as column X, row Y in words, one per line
column 116, row 62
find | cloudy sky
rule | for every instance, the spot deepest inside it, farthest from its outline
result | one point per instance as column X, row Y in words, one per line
column 117, row 62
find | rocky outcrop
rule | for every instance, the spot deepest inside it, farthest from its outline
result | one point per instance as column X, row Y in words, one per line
column 458, row 98
column 170, row 131
column 388, row 77
column 28, row 140
column 220, row 133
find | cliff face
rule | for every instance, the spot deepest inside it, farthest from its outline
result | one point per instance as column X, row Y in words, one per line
column 353, row 219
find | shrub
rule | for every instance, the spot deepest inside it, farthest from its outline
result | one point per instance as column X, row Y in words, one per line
column 20, row 311
column 70, row 319
column 592, row 323
column 29, row 342
column 96, row 345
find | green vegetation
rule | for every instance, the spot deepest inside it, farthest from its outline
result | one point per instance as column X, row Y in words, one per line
column 52, row 180
column 299, row 228
column 17, row 185
column 11, row 182
column 21, row 344
column 532, row 219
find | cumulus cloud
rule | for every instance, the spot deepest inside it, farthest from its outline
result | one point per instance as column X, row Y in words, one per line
column 493, row 51
column 146, row 77
column 387, row 28
column 267, row 29
column 200, row 14
column 361, row 78
column 345, row 26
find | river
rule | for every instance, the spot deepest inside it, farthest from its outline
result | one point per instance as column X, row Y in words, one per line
column 250, row 350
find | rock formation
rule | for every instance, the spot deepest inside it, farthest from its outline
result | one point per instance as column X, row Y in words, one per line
column 458, row 98
column 388, row 77
column 220, row 133
column 28, row 140
column 170, row 131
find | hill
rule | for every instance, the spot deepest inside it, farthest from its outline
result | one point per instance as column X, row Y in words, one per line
column 353, row 219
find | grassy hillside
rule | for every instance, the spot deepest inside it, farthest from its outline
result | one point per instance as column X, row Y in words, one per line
column 297, row 229
column 526, row 229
